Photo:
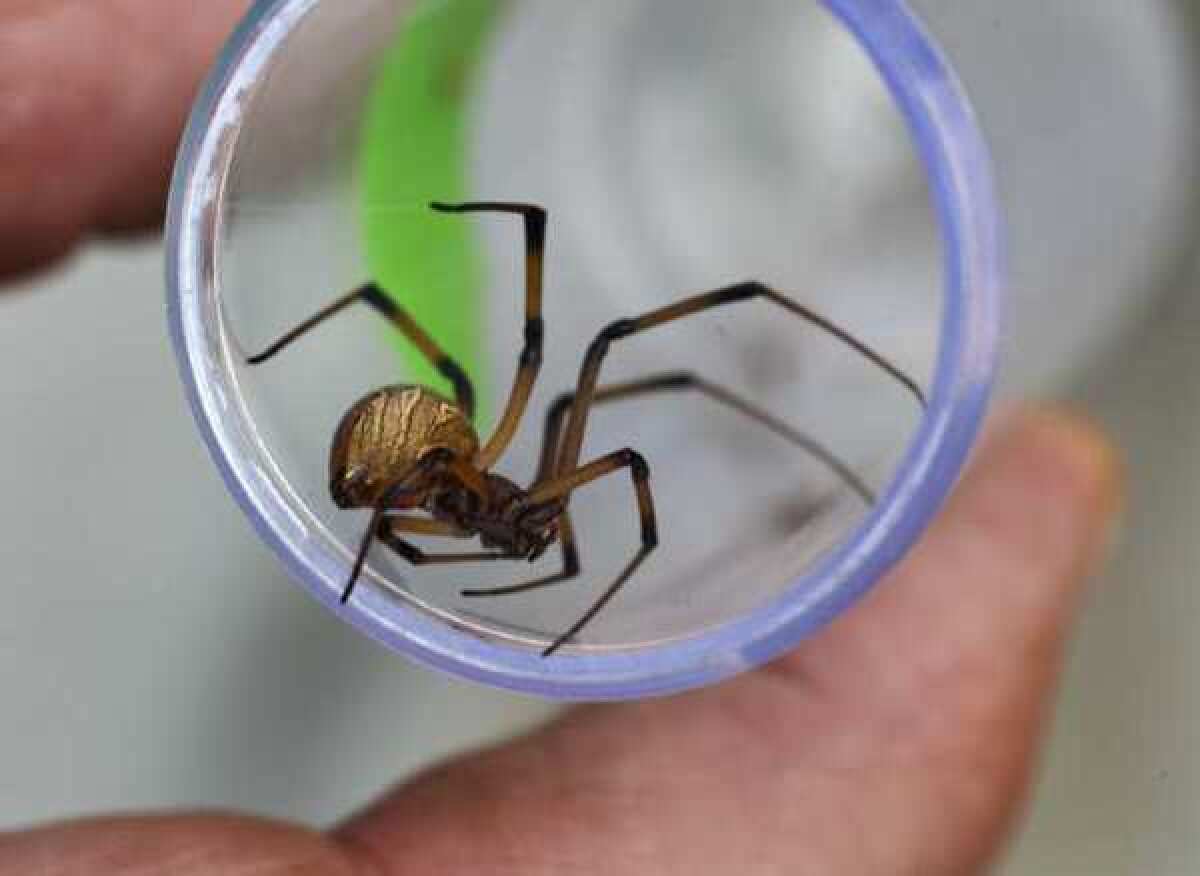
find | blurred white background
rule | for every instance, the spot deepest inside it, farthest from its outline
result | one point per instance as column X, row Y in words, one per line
column 154, row 653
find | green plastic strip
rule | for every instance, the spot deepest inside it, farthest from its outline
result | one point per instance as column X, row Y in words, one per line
column 415, row 150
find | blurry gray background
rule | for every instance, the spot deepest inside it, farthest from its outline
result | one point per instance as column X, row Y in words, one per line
column 154, row 653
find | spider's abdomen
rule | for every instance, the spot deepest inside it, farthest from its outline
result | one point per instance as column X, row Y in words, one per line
column 384, row 436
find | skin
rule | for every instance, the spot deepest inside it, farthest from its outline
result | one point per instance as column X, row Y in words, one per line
column 93, row 97
column 899, row 741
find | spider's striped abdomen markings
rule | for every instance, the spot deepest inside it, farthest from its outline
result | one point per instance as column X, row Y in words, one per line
column 386, row 434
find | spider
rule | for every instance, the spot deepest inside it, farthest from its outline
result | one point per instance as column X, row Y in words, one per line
column 413, row 458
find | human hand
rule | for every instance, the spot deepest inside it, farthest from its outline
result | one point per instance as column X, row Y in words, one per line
column 899, row 741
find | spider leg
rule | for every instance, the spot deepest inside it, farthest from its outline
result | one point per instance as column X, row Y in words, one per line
column 564, row 486
column 379, row 300
column 570, row 566
column 590, row 373
column 418, row 557
column 423, row 526
column 391, row 527
column 530, row 361
column 406, row 488
column 679, row 381
column 656, row 383
column 385, row 529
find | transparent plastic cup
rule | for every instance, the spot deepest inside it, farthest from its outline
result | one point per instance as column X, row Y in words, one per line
column 679, row 146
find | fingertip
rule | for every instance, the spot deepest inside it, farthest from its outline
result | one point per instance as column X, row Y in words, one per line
column 1067, row 457
column 1083, row 445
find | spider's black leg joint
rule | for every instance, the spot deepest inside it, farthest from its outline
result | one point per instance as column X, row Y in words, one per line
column 534, row 216
column 570, row 552
column 535, row 335
column 640, row 473
column 614, row 331
column 380, row 300
column 560, row 406
column 464, row 391
column 639, row 470
column 407, row 551
column 680, row 380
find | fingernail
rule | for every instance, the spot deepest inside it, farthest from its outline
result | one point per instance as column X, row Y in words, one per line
column 1097, row 464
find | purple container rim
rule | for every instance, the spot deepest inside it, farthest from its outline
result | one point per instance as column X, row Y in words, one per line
column 953, row 151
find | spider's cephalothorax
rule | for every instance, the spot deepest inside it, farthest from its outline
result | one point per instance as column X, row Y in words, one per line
column 413, row 457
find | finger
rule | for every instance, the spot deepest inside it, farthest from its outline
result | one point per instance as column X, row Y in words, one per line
column 93, row 98
column 899, row 742
column 192, row 845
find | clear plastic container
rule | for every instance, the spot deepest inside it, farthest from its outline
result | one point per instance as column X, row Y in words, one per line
column 679, row 146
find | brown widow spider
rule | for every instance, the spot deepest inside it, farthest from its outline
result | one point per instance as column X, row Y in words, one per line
column 405, row 448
